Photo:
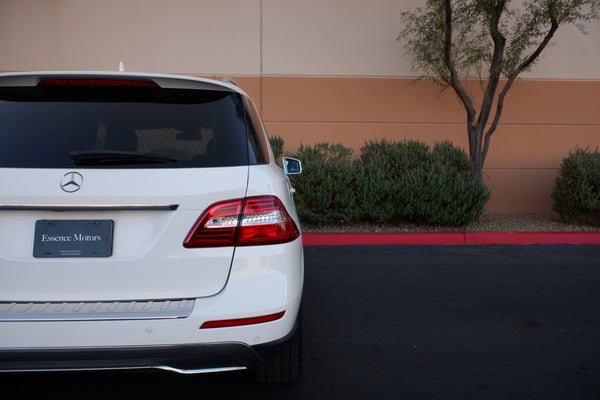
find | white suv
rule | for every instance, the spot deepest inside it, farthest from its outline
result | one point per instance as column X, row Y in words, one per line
column 144, row 224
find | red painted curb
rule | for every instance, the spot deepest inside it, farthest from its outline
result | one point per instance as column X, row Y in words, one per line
column 532, row 237
column 332, row 239
column 449, row 238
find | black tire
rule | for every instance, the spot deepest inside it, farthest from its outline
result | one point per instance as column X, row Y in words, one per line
column 286, row 365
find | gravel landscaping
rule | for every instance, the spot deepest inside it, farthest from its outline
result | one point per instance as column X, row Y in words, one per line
column 492, row 222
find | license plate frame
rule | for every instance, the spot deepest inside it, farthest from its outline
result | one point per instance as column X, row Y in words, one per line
column 73, row 238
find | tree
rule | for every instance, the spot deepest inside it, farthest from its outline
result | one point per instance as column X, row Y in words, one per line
column 452, row 41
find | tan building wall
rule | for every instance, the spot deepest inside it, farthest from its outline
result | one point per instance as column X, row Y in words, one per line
column 323, row 70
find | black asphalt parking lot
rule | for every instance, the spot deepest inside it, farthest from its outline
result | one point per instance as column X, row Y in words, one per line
column 414, row 322
column 460, row 322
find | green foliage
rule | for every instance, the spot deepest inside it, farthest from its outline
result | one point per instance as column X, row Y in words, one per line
column 424, row 30
column 450, row 41
column 386, row 170
column 409, row 180
column 576, row 190
column 324, row 189
column 405, row 180
column 277, row 146
column 522, row 24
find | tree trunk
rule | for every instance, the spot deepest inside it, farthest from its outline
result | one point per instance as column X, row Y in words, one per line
column 476, row 150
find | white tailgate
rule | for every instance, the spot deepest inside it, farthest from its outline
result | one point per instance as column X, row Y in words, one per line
column 151, row 211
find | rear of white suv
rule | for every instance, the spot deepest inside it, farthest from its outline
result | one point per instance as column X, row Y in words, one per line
column 143, row 224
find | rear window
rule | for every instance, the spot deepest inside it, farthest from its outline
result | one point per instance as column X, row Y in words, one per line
column 61, row 127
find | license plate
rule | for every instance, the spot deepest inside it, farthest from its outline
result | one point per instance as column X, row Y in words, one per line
column 73, row 238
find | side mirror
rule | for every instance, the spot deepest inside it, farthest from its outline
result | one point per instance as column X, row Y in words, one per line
column 291, row 166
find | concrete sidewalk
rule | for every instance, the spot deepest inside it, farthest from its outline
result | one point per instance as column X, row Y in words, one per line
column 450, row 238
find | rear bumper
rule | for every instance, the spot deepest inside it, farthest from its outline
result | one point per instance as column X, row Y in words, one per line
column 186, row 359
column 258, row 285
column 179, row 358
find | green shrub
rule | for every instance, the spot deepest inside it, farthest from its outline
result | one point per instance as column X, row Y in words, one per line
column 451, row 197
column 409, row 180
column 277, row 147
column 374, row 192
column 576, row 192
column 390, row 180
column 324, row 190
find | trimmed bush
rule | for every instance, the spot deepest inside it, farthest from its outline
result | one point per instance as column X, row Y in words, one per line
column 411, row 181
column 277, row 147
column 576, row 192
column 324, row 192
column 405, row 180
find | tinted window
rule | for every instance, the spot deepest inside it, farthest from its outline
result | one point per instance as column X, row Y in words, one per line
column 256, row 138
column 125, row 127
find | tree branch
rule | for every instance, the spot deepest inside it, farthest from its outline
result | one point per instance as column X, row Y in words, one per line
column 496, row 64
column 523, row 66
column 454, row 79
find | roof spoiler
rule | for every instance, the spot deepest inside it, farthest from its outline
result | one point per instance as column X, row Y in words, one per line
column 230, row 81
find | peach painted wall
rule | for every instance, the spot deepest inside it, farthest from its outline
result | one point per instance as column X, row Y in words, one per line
column 542, row 122
column 324, row 70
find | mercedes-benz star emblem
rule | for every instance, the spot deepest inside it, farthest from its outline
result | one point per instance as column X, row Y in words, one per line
column 71, row 182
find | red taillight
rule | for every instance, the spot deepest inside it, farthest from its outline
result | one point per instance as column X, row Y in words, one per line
column 98, row 82
column 216, row 227
column 243, row 222
column 242, row 321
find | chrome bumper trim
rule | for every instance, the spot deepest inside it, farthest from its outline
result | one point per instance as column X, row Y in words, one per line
column 199, row 371
column 95, row 310
column 93, row 207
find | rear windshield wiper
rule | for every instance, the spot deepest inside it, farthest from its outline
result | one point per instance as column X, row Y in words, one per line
column 110, row 157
